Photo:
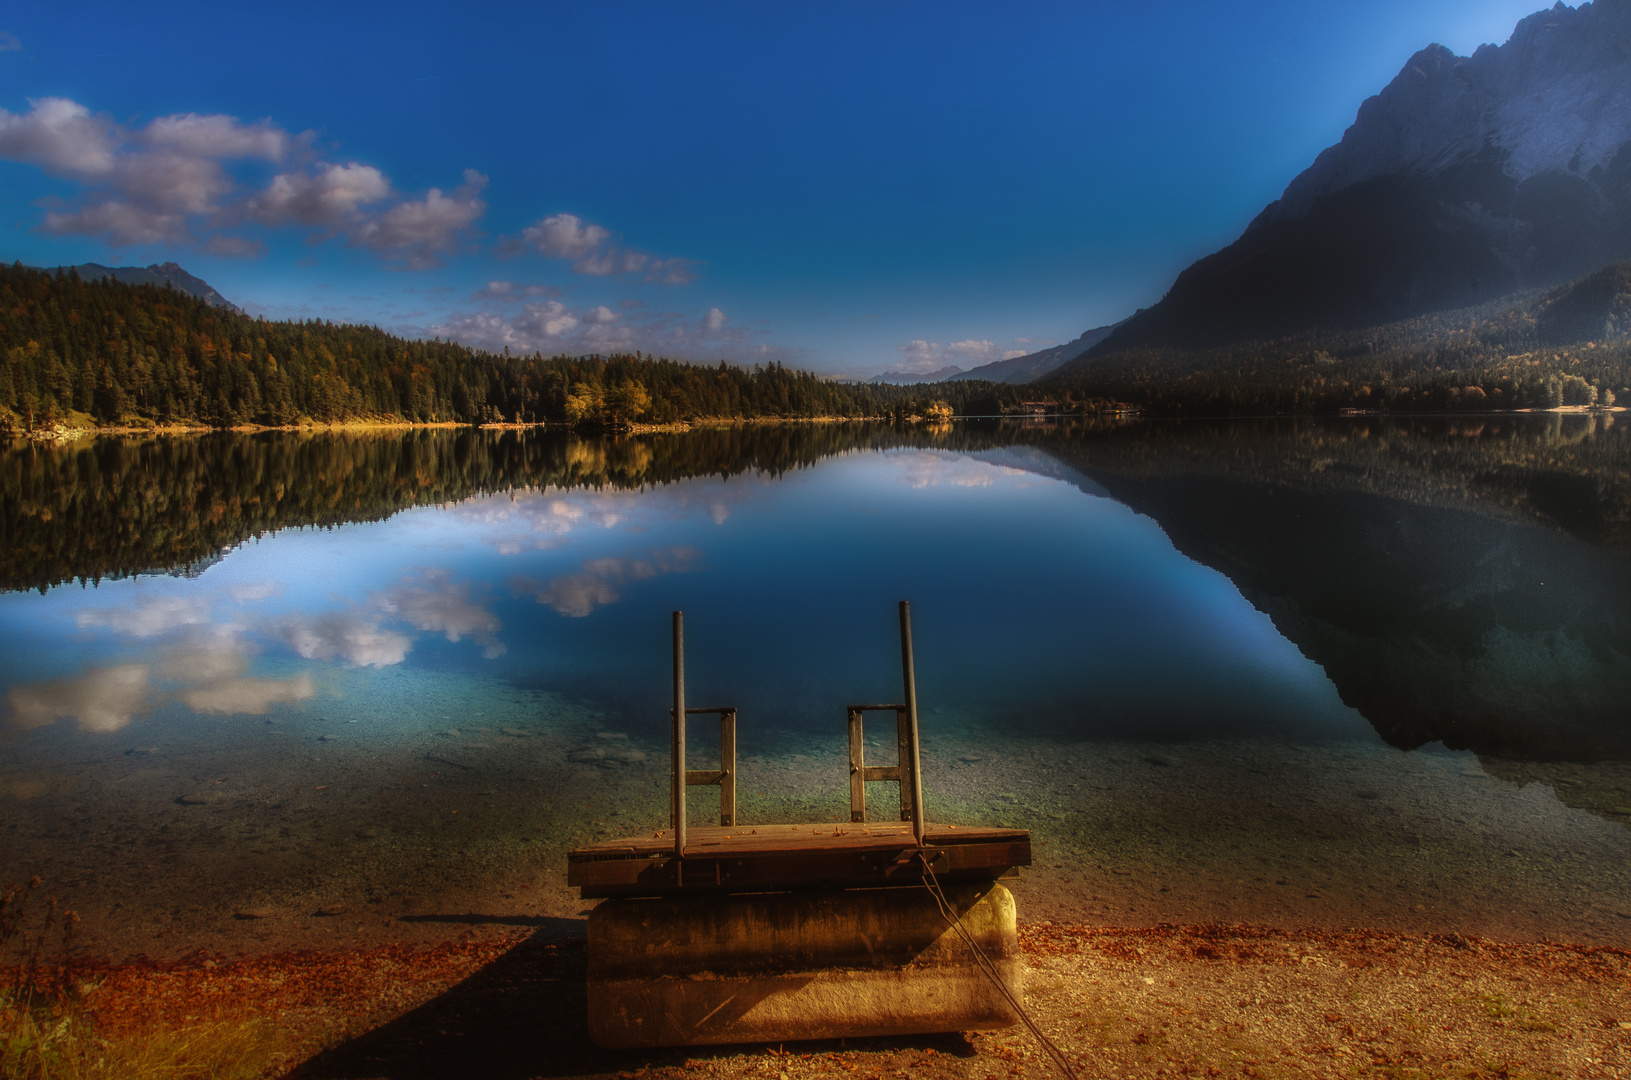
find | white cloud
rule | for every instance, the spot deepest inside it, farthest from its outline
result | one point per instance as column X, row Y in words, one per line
column 348, row 636
column 546, row 326
column 553, row 328
column 167, row 184
column 9, row 42
column 435, row 603
column 674, row 271
column 330, row 197
column 122, row 223
column 564, row 236
column 102, row 699
column 60, row 136
column 218, row 136
column 590, row 247
column 551, row 319
column 418, row 231
column 509, row 291
column 611, row 261
column 922, row 357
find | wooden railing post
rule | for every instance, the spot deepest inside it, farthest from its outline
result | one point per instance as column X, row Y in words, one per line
column 727, row 765
column 857, row 768
column 677, row 814
column 909, row 675
column 903, row 754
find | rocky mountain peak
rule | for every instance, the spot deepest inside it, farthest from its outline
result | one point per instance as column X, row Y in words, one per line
column 1555, row 99
column 1466, row 178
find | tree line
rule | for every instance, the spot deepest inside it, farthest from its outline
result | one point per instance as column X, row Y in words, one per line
column 116, row 354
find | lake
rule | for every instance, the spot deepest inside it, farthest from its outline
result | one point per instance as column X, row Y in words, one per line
column 325, row 688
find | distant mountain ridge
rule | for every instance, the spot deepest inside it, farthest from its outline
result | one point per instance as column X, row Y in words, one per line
column 912, row 378
column 1032, row 366
column 1465, row 179
column 161, row 274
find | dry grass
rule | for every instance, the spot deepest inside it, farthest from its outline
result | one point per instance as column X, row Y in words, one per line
column 57, row 1040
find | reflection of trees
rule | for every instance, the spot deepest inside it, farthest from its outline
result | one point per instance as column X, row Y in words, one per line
column 113, row 506
column 1569, row 471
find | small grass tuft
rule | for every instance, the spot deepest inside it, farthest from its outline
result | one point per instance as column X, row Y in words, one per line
column 46, row 1031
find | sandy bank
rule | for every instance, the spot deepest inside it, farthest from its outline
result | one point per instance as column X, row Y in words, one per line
column 1162, row 1001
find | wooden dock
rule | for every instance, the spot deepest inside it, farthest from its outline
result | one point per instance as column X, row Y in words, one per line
column 773, row 858
column 763, row 932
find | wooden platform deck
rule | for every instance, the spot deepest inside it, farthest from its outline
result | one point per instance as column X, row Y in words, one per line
column 769, row 858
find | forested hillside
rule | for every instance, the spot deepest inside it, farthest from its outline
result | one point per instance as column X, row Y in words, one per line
column 1541, row 349
column 122, row 354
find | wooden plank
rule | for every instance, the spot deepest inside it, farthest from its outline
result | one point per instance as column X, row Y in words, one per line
column 703, row 777
column 877, row 773
column 774, row 857
column 770, row 837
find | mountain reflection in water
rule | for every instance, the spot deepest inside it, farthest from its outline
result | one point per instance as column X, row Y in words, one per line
column 1460, row 580
column 500, row 625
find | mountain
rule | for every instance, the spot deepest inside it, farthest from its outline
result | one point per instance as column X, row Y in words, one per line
column 910, row 378
column 160, row 274
column 1465, row 179
column 1031, row 366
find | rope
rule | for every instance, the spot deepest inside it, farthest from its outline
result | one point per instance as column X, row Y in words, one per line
column 988, row 969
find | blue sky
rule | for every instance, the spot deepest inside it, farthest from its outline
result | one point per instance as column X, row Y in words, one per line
column 842, row 187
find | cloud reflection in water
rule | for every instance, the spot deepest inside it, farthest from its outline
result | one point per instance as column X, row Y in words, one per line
column 351, row 636
column 435, row 603
column 596, row 584
column 149, row 617
column 102, row 699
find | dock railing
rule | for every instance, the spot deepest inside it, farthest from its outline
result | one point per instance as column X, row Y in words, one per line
column 907, row 772
column 723, row 777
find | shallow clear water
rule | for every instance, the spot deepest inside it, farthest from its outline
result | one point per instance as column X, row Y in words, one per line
column 418, row 714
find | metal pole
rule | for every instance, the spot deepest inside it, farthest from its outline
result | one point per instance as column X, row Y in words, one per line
column 910, row 677
column 678, row 798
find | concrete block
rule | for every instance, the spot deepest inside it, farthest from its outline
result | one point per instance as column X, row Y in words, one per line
column 772, row 967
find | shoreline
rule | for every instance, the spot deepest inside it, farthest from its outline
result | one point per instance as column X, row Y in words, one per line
column 1201, row 999
column 70, row 433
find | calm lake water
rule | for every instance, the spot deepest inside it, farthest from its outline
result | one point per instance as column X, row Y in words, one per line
column 1357, row 673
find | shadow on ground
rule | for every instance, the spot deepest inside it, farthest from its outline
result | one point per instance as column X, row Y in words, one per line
column 525, row 1015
